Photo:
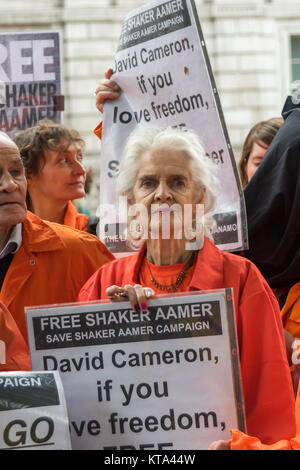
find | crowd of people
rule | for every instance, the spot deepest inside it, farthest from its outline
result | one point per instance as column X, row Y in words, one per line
column 43, row 237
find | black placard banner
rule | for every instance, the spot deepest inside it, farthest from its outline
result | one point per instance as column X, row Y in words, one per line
column 227, row 228
column 28, row 391
column 126, row 326
column 154, row 22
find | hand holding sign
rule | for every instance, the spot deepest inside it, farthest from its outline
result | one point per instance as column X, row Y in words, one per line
column 137, row 295
column 166, row 80
column 106, row 90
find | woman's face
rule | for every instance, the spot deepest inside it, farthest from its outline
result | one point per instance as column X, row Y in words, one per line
column 164, row 179
column 257, row 153
column 62, row 176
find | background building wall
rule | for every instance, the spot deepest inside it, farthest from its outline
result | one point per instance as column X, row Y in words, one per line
column 248, row 43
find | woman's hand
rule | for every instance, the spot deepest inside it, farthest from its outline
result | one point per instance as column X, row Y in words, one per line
column 106, row 90
column 219, row 445
column 137, row 295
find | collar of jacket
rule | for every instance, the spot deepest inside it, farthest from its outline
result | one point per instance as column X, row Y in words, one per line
column 208, row 272
column 40, row 236
column 70, row 215
column 37, row 236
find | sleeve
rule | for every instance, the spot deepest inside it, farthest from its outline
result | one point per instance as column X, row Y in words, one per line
column 91, row 289
column 267, row 384
column 94, row 253
column 14, row 353
column 102, row 253
column 98, row 130
column 87, row 257
column 241, row 441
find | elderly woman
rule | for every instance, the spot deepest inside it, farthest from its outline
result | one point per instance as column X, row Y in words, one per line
column 163, row 171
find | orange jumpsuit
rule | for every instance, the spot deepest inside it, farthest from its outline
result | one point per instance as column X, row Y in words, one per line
column 51, row 265
column 74, row 219
column 267, row 386
column 291, row 311
column 240, row 441
column 14, row 353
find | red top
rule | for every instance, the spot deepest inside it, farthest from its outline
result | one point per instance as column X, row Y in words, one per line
column 165, row 275
column 267, row 386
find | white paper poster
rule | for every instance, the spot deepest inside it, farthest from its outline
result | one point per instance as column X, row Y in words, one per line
column 163, row 70
column 33, row 412
column 30, row 79
column 164, row 378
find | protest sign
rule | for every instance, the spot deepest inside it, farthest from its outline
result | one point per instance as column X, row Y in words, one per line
column 163, row 70
column 164, row 378
column 30, row 79
column 33, row 413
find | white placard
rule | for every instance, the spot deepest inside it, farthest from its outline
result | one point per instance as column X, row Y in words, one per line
column 164, row 378
column 30, row 79
column 33, row 412
column 163, row 69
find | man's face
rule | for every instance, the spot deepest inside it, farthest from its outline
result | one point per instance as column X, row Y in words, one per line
column 12, row 185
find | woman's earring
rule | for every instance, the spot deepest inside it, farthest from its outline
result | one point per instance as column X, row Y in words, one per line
column 195, row 230
column 136, row 229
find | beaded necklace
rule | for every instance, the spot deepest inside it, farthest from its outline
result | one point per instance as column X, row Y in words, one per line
column 174, row 285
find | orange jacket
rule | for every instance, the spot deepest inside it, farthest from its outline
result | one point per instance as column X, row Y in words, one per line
column 267, row 386
column 74, row 219
column 14, row 353
column 52, row 264
column 291, row 311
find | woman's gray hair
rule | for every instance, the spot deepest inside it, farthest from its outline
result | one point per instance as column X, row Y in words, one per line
column 204, row 171
column 5, row 136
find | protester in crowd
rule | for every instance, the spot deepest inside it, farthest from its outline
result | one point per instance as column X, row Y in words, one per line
column 168, row 168
column 255, row 146
column 14, row 352
column 273, row 203
column 53, row 158
column 40, row 262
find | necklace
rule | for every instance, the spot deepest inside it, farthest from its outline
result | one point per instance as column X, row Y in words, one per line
column 174, row 285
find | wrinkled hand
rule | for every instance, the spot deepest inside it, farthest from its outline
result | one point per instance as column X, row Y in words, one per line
column 106, row 90
column 219, row 445
column 137, row 295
